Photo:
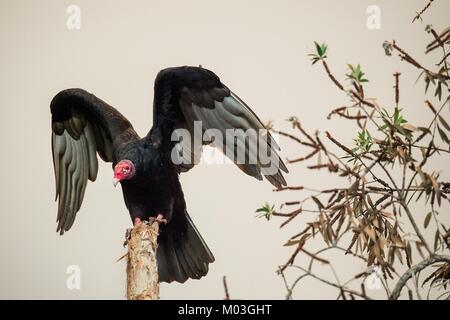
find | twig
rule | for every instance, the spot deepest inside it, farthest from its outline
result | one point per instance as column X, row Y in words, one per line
column 419, row 14
column 359, row 294
column 340, row 145
column 315, row 257
column 289, row 188
column 225, row 287
column 414, row 270
column 305, row 157
column 293, row 215
column 414, row 225
column 442, row 45
column 405, row 56
column 361, row 100
column 330, row 75
column 289, row 291
column 397, row 88
column 293, row 138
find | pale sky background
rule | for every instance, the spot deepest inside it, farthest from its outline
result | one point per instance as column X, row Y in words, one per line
column 258, row 48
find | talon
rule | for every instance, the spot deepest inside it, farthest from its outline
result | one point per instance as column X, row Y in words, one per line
column 160, row 219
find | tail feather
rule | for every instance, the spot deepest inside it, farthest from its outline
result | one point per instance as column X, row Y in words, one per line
column 195, row 263
column 190, row 269
column 197, row 243
column 174, row 267
column 182, row 256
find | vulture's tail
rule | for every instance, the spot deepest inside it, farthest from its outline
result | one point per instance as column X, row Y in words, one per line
column 182, row 255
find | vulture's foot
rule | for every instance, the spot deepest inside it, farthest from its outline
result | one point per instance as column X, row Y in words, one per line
column 137, row 221
column 159, row 218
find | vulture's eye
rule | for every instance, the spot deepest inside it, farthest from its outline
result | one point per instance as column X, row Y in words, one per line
column 126, row 170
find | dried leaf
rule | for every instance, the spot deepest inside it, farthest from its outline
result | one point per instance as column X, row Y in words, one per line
column 427, row 219
column 377, row 250
column 419, row 246
column 408, row 255
column 439, row 197
column 391, row 255
column 399, row 255
column 437, row 240
column 444, row 123
column 300, row 242
column 371, row 233
column 443, row 135
column 369, row 200
column 317, row 201
column 409, row 127
column 401, row 153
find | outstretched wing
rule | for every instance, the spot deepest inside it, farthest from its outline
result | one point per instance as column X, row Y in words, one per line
column 82, row 125
column 186, row 97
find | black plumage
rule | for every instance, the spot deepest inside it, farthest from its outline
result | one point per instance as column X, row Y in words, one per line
column 83, row 125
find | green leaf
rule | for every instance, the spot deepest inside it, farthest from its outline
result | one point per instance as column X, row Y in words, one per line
column 318, row 48
column 356, row 74
column 364, row 141
column 320, row 53
column 321, row 49
column 265, row 211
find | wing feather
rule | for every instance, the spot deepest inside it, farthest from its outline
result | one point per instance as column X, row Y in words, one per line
column 200, row 96
column 231, row 114
column 82, row 126
column 91, row 144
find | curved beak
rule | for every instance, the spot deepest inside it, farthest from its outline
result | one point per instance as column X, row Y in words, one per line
column 115, row 181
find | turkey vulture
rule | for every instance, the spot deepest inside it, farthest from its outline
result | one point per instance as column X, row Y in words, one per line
column 148, row 168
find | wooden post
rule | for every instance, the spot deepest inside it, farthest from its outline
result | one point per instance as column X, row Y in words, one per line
column 142, row 266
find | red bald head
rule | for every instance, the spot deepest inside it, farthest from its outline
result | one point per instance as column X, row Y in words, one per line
column 123, row 170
